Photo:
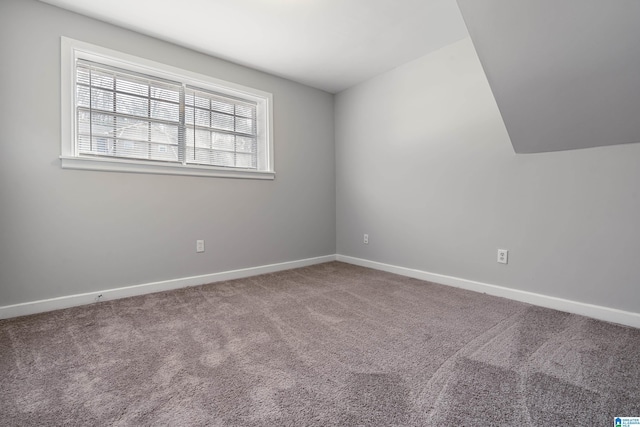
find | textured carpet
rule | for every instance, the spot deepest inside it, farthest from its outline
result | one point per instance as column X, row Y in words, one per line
column 327, row 345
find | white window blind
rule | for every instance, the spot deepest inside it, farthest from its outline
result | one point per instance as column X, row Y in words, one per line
column 131, row 115
column 220, row 130
column 127, row 114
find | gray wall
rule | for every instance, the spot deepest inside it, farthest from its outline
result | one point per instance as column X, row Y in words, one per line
column 65, row 232
column 425, row 166
column 422, row 163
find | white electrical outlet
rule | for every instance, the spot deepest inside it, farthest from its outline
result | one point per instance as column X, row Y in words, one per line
column 503, row 256
column 199, row 246
column 365, row 239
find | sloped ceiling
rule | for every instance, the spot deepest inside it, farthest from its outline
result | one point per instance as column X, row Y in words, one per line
column 327, row 44
column 565, row 73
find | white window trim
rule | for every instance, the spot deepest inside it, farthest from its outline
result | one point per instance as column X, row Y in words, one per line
column 72, row 49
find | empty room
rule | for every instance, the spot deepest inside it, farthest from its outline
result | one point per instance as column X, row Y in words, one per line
column 320, row 212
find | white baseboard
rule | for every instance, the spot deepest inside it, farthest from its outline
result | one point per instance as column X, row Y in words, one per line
column 595, row 311
column 589, row 310
column 41, row 306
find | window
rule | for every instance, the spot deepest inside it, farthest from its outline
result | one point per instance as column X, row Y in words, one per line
column 122, row 113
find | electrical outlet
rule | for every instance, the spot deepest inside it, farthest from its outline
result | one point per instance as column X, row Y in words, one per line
column 199, row 246
column 365, row 239
column 503, row 256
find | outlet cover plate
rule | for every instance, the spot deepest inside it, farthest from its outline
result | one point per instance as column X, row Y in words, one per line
column 503, row 256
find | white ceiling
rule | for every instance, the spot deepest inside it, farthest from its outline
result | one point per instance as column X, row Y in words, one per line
column 327, row 44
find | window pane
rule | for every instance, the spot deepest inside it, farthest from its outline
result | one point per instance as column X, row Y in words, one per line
column 202, row 102
column 188, row 115
column 163, row 152
column 102, row 99
column 199, row 155
column 223, row 141
column 84, row 144
column 202, row 117
column 203, row 138
column 219, row 105
column 189, row 137
column 203, row 156
column 136, row 88
column 223, row 158
column 164, row 133
column 133, row 129
column 82, row 96
column 82, row 75
column 83, row 122
column 245, row 145
column 246, row 111
column 132, row 105
column 190, row 153
column 165, row 111
column 102, row 125
column 104, row 146
column 222, row 121
column 165, row 93
column 101, row 79
column 99, row 145
column 245, row 160
column 244, row 125
column 131, row 149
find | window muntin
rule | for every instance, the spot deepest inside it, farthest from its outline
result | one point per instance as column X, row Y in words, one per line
column 131, row 114
column 120, row 114
column 220, row 130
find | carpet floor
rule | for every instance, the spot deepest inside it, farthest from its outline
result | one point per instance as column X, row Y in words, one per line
column 326, row 345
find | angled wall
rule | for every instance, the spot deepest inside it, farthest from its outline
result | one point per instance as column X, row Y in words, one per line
column 564, row 73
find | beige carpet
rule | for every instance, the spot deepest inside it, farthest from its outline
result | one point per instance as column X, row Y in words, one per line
column 328, row 345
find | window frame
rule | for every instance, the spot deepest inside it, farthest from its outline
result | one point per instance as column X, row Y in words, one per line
column 72, row 50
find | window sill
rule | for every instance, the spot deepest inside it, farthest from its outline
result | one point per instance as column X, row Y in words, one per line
column 133, row 166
